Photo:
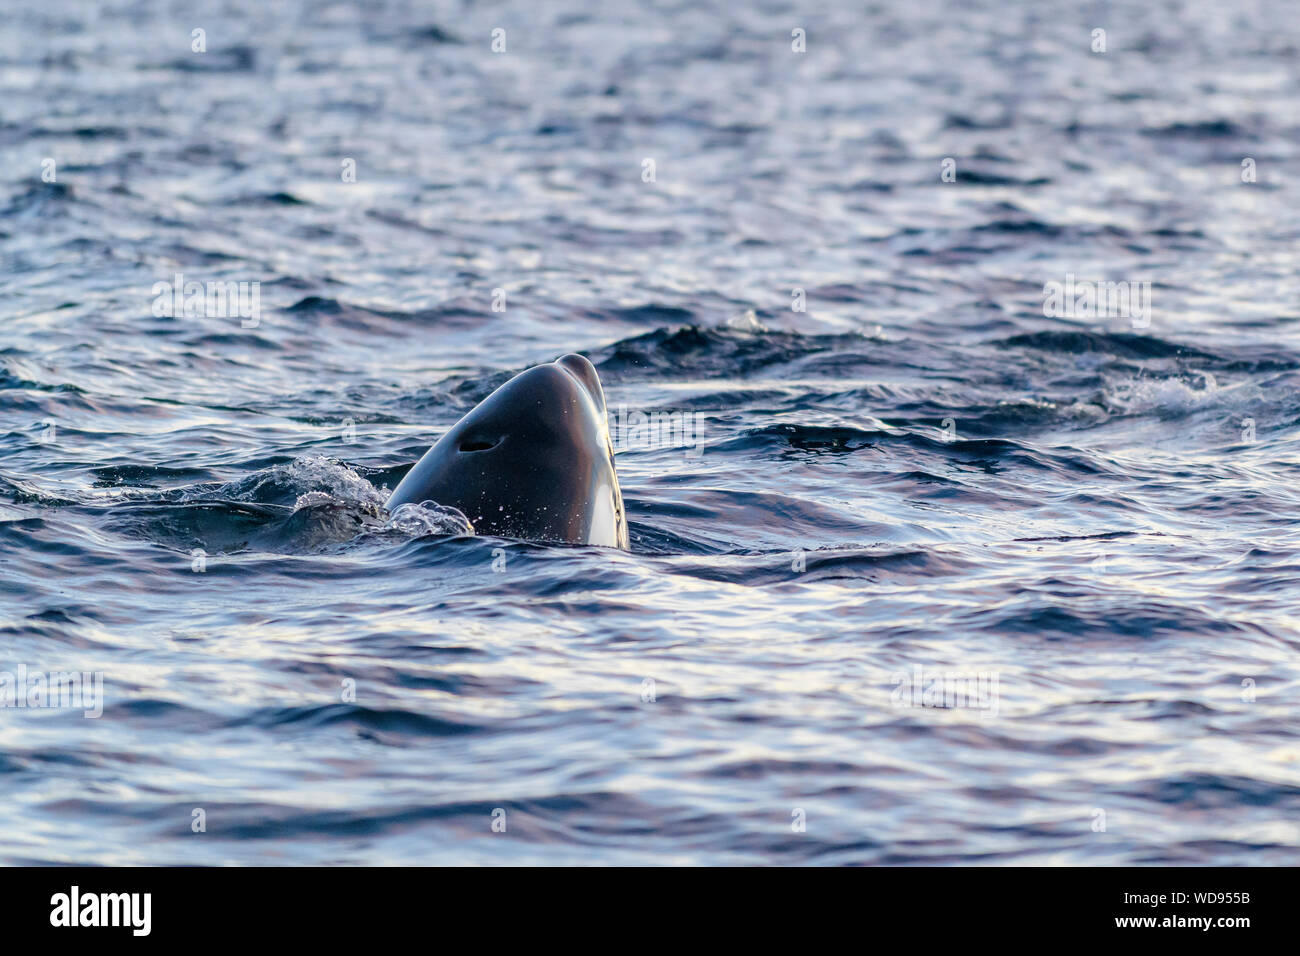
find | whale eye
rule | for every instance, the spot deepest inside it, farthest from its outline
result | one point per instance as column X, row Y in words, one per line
column 477, row 445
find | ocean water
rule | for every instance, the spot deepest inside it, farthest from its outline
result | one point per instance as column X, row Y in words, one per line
column 940, row 578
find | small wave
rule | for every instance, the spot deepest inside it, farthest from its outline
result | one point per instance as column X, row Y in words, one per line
column 385, row 321
column 1125, row 344
column 140, row 476
column 284, row 484
column 1168, row 396
column 1205, row 129
column 817, row 439
column 280, row 198
column 830, row 566
column 415, row 520
column 741, row 348
column 388, row 720
column 239, row 58
column 306, row 506
column 42, row 199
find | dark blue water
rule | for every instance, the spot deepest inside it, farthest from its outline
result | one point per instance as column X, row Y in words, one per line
column 921, row 476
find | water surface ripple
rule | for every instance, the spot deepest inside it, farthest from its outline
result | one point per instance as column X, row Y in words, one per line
column 920, row 471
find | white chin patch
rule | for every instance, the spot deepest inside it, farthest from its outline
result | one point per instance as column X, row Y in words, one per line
column 604, row 521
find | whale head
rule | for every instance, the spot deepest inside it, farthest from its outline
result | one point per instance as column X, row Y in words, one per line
column 533, row 460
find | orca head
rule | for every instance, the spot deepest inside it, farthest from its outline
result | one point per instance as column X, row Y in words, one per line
column 533, row 460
